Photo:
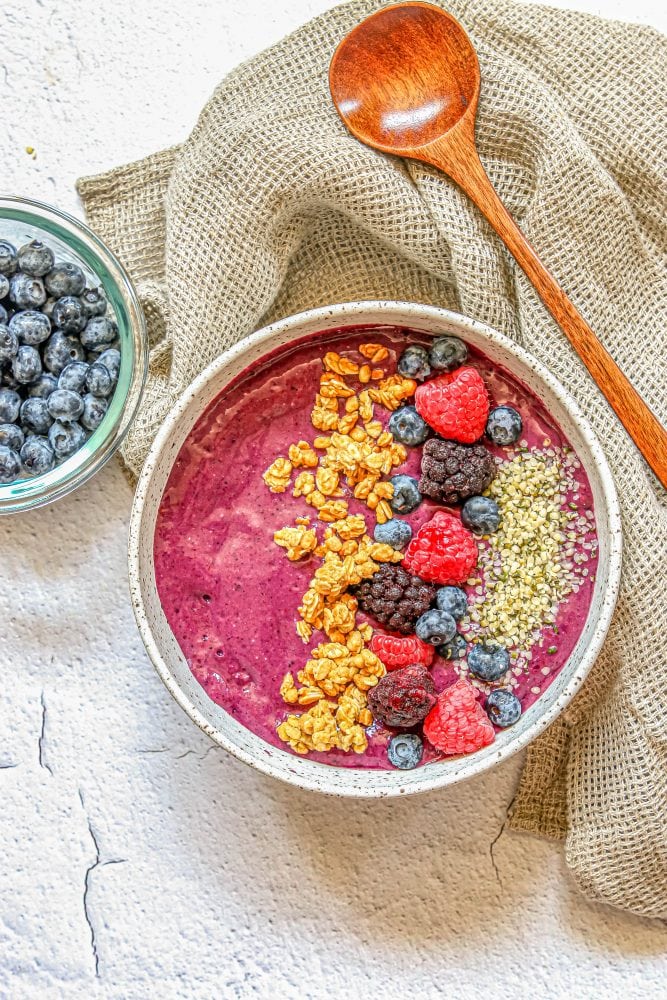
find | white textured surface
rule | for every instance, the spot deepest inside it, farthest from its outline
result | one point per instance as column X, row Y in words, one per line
column 138, row 860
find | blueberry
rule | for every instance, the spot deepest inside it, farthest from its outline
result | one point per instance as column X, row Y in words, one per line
column 65, row 439
column 93, row 302
column 504, row 425
column 73, row 376
column 47, row 308
column 8, row 262
column 35, row 415
column 30, row 326
column 4, row 315
column 405, row 750
column 43, row 386
column 395, row 532
column 111, row 361
column 26, row 292
column 27, row 365
column 35, row 258
column 448, row 353
column 481, row 515
column 93, row 356
column 37, row 456
column 406, row 496
column 408, row 427
column 9, row 343
column 10, row 465
column 60, row 350
column 65, row 405
column 455, row 649
column 94, row 411
column 413, row 363
column 11, row 436
column 68, row 314
column 503, row 708
column 435, row 627
column 488, row 662
column 453, row 600
column 65, row 279
column 98, row 381
column 4, row 286
column 99, row 332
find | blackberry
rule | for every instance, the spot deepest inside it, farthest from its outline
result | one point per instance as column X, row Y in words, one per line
column 453, row 471
column 395, row 597
column 403, row 697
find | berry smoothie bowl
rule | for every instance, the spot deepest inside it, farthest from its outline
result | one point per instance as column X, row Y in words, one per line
column 375, row 549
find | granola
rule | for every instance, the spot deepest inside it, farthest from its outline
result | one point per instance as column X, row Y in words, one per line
column 354, row 454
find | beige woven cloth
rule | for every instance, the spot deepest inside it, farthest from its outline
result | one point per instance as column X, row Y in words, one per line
column 270, row 207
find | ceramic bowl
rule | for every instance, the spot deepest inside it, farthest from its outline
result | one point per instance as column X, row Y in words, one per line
column 166, row 654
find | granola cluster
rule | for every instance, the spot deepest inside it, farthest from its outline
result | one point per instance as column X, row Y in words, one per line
column 353, row 452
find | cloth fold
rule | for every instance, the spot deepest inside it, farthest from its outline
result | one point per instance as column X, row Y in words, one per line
column 270, row 207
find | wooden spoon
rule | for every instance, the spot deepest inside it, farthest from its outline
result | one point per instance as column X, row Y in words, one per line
column 406, row 81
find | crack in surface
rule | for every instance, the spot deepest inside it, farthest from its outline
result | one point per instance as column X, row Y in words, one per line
column 40, row 742
column 97, row 863
column 7, row 767
column 179, row 756
column 200, row 756
column 495, row 841
column 86, row 889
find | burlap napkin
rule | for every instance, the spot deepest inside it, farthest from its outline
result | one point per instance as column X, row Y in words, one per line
column 270, row 207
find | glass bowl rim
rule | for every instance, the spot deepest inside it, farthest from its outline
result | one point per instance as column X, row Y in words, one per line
column 76, row 235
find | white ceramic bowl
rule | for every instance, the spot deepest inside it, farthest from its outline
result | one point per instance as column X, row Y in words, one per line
column 166, row 654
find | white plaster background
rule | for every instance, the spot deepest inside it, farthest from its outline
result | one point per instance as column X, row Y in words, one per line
column 137, row 860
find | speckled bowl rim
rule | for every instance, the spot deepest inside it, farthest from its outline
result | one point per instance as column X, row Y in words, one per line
column 366, row 782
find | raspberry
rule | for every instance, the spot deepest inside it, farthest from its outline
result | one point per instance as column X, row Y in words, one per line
column 458, row 723
column 400, row 650
column 453, row 472
column 395, row 597
column 455, row 405
column 442, row 551
column 404, row 697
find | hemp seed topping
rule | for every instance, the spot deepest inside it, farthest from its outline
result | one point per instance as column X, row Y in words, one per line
column 530, row 564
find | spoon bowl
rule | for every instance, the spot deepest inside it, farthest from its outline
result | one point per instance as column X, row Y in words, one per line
column 424, row 77
column 406, row 81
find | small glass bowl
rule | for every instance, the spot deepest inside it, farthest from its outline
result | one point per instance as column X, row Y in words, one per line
column 22, row 220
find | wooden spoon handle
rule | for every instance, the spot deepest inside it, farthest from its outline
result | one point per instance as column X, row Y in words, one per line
column 641, row 424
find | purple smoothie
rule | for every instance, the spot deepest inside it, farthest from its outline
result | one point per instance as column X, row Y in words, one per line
column 228, row 591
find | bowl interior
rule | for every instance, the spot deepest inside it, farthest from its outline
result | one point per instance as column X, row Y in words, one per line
column 166, row 654
column 20, row 222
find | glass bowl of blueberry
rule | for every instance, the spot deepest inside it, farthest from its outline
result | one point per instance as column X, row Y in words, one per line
column 73, row 354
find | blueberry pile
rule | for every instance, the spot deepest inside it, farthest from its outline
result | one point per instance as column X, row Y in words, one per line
column 59, row 360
